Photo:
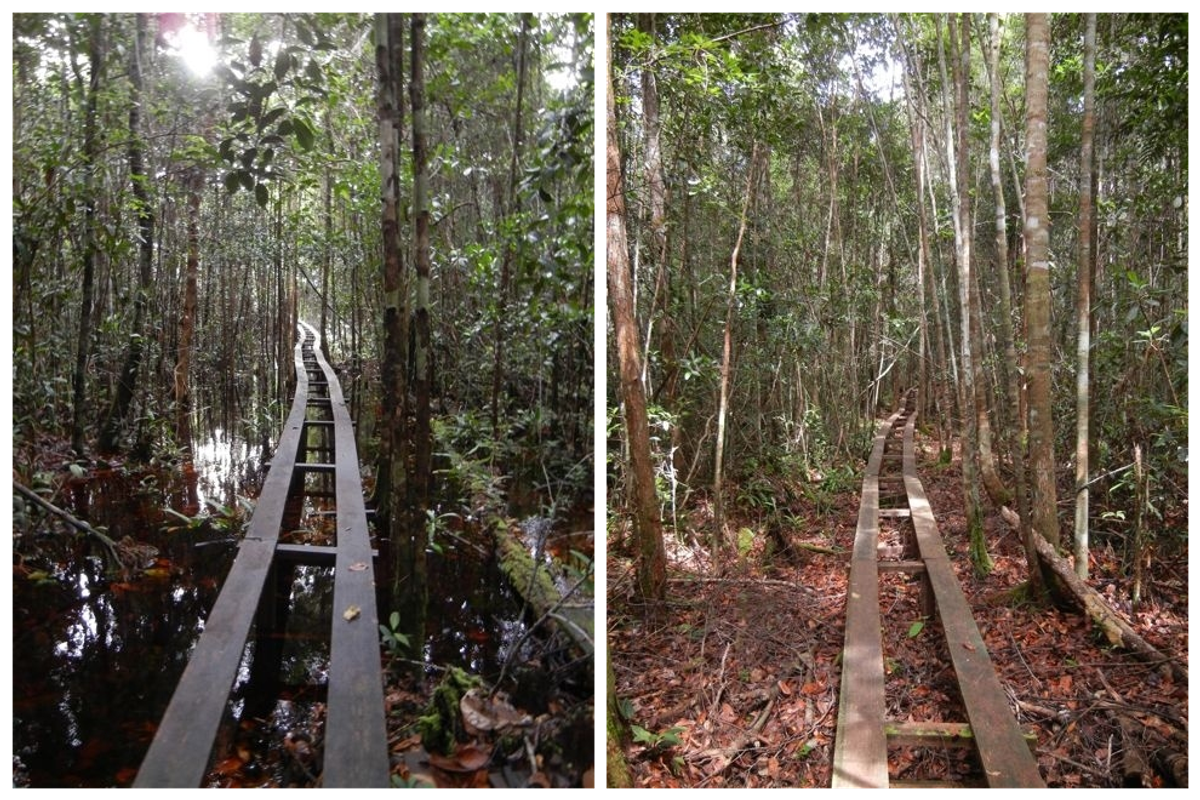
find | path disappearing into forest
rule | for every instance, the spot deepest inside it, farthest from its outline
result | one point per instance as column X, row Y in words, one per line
column 910, row 551
column 316, row 457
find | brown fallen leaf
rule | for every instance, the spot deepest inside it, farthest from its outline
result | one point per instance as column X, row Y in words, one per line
column 968, row 646
column 358, row 566
column 351, row 613
column 483, row 713
column 467, row 758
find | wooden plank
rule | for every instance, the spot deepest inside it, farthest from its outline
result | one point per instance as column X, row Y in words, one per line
column 179, row 754
column 895, row 512
column 313, row 466
column 912, row 567
column 1002, row 750
column 945, row 734
column 860, row 749
column 356, row 752
column 925, row 734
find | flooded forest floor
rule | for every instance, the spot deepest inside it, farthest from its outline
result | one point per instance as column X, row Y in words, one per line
column 98, row 650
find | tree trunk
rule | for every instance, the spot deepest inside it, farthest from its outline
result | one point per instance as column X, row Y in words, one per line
column 187, row 318
column 972, row 372
column 718, row 540
column 404, row 533
column 423, row 471
column 114, row 425
column 1084, row 300
column 91, row 148
column 1037, row 292
column 511, row 209
column 1012, row 376
column 647, row 527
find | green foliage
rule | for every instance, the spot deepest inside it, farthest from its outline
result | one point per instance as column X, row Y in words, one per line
column 396, row 643
column 656, row 743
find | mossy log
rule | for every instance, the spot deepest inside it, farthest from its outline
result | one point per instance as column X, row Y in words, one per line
column 535, row 584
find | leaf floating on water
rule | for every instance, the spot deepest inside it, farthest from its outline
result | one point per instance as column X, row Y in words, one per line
column 358, row 566
column 351, row 613
column 483, row 713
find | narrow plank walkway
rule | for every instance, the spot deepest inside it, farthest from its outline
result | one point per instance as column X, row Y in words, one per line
column 863, row 731
column 355, row 732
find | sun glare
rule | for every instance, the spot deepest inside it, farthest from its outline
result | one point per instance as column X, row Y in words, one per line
column 192, row 46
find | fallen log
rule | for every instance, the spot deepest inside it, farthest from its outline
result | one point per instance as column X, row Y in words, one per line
column 1116, row 630
column 533, row 582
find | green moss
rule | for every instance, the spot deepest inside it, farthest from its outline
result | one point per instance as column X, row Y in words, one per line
column 441, row 727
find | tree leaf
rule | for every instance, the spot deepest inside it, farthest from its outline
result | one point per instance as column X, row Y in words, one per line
column 231, row 182
column 304, row 134
column 283, row 62
column 261, row 195
column 304, row 33
column 915, row 629
column 255, row 51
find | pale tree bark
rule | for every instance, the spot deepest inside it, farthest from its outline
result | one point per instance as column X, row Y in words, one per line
column 1083, row 301
column 970, row 337
column 1012, row 381
column 718, row 541
column 657, row 184
column 651, row 580
column 932, row 384
column 1037, row 291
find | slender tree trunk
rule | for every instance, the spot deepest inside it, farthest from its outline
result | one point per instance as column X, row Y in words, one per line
column 114, row 426
column 972, row 374
column 91, row 148
column 509, row 247
column 1083, row 301
column 187, row 319
column 1037, row 291
column 718, row 542
column 424, row 351
column 1012, row 376
column 393, row 488
column 647, row 527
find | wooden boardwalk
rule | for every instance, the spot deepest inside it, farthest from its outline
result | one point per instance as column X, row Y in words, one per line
column 891, row 489
column 355, row 742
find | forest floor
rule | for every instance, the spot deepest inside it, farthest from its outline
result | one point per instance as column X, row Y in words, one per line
column 734, row 681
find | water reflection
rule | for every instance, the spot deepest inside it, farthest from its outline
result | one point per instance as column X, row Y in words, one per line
column 96, row 656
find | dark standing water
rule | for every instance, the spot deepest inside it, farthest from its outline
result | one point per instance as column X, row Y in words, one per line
column 96, row 657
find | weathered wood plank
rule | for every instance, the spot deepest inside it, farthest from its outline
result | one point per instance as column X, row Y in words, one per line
column 312, row 555
column 1002, row 749
column 356, row 751
column 179, row 754
column 860, row 750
